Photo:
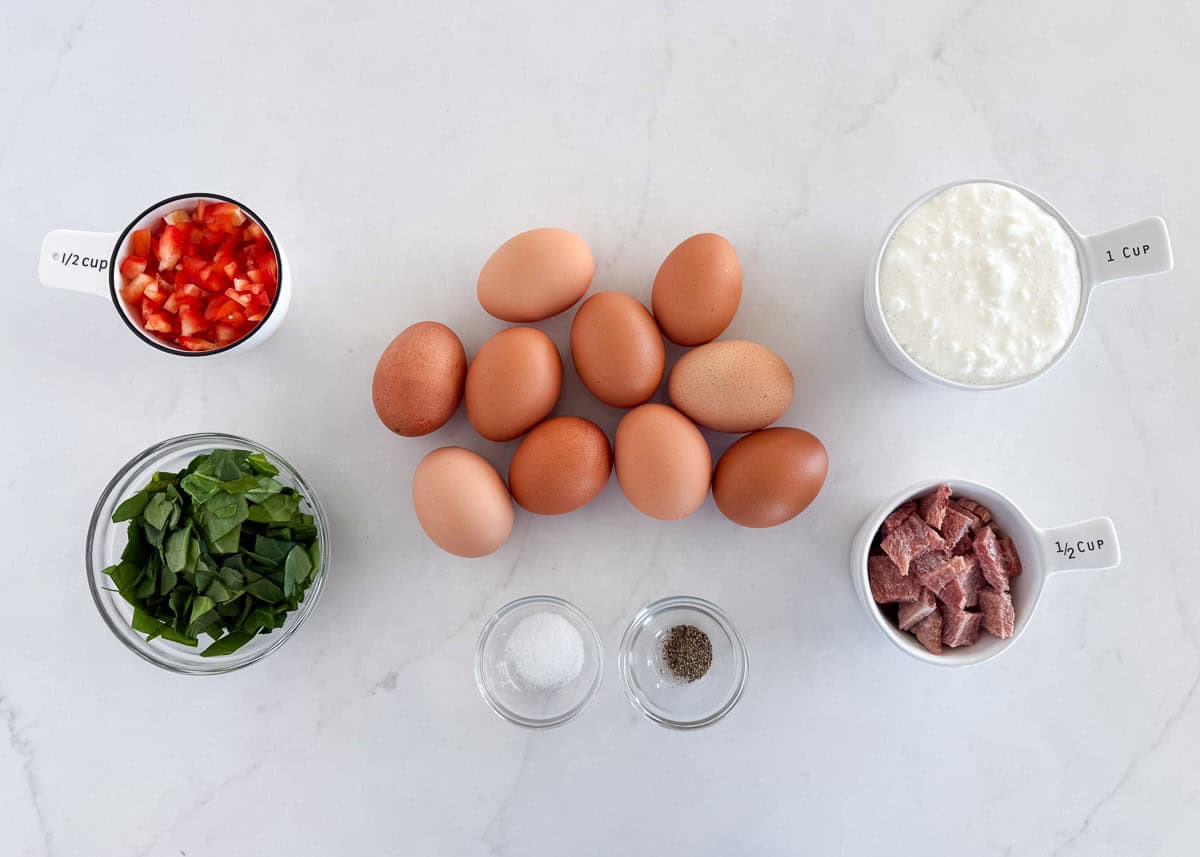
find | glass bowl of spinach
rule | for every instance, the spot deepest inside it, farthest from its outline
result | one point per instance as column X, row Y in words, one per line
column 206, row 552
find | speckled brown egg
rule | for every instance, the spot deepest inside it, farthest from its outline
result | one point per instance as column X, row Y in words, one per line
column 461, row 502
column 697, row 290
column 512, row 383
column 662, row 462
column 618, row 350
column 535, row 275
column 419, row 379
column 732, row 385
column 559, row 466
column 770, row 476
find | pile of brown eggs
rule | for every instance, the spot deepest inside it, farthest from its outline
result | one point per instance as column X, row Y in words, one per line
column 662, row 460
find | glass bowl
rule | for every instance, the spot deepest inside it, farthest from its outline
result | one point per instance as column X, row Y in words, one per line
column 507, row 696
column 649, row 684
column 106, row 540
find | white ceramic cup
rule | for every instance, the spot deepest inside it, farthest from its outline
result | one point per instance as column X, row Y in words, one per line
column 88, row 262
column 1137, row 250
column 1089, row 545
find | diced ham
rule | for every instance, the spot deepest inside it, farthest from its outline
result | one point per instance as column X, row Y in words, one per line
column 888, row 586
column 964, row 547
column 936, row 568
column 899, row 516
column 962, row 590
column 1009, row 559
column 996, row 608
column 987, row 551
column 911, row 614
column 909, row 540
column 929, row 632
column 981, row 513
column 955, row 525
column 960, row 628
column 932, row 507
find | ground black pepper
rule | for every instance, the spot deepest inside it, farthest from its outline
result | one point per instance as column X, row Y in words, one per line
column 687, row 652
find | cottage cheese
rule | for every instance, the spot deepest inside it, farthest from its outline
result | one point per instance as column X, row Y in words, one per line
column 981, row 285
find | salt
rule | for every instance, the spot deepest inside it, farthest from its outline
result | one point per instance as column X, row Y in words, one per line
column 544, row 652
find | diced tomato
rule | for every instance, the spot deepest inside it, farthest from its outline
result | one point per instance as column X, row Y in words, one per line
column 133, row 266
column 192, row 322
column 157, row 322
column 225, row 334
column 134, row 289
column 223, row 216
column 216, row 276
column 243, row 298
column 170, row 248
column 192, row 343
column 154, row 291
column 219, row 307
column 139, row 242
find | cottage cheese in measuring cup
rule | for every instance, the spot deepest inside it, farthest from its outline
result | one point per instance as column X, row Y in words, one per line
column 981, row 285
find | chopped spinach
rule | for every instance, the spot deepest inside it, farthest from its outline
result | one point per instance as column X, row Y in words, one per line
column 220, row 548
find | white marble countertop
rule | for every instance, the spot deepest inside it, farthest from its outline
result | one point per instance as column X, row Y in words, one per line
column 392, row 147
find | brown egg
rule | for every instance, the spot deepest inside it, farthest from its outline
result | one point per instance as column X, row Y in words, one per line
column 662, row 461
column 419, row 379
column 697, row 290
column 535, row 275
column 732, row 385
column 513, row 383
column 770, row 476
column 560, row 465
column 617, row 349
column 461, row 502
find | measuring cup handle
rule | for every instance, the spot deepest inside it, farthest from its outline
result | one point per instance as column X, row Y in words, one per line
column 76, row 260
column 1083, row 546
column 1137, row 250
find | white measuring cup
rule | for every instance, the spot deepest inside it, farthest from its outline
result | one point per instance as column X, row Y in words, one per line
column 1140, row 249
column 1089, row 545
column 88, row 262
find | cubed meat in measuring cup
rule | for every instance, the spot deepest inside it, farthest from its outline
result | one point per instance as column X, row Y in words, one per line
column 909, row 540
column 898, row 517
column 888, row 586
column 932, row 507
column 996, row 608
column 960, row 628
column 987, row 551
column 929, row 631
column 955, row 526
column 911, row 614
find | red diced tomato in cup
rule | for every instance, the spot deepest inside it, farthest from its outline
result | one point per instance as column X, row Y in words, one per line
column 140, row 242
column 133, row 266
column 201, row 278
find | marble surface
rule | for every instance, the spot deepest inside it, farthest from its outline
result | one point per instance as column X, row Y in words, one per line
column 392, row 146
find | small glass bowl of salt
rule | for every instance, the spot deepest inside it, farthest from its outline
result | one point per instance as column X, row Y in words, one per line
column 539, row 661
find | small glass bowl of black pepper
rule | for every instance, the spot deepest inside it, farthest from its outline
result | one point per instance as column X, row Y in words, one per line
column 683, row 662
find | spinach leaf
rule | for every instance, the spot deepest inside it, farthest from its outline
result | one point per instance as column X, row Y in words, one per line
column 258, row 462
column 200, row 487
column 158, row 510
column 227, row 645
column 175, row 551
column 131, row 507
